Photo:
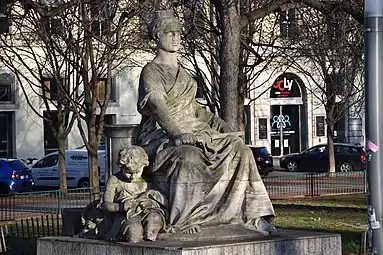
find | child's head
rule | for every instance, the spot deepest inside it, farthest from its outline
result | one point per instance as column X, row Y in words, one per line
column 132, row 160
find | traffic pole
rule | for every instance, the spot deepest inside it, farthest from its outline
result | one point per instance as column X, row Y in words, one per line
column 373, row 36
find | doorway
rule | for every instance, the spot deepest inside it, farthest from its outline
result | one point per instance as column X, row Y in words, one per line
column 285, row 129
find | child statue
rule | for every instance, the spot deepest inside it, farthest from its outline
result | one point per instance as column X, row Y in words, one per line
column 130, row 211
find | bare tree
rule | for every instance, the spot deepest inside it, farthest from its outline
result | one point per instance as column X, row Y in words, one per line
column 93, row 39
column 329, row 52
column 105, row 38
column 227, row 44
column 202, row 51
column 30, row 51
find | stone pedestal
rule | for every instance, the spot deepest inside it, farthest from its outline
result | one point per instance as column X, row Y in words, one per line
column 117, row 136
column 284, row 242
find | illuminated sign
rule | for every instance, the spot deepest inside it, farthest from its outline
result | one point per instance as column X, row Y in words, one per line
column 284, row 86
column 281, row 121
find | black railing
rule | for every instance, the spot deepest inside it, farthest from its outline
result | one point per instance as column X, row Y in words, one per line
column 315, row 184
column 38, row 214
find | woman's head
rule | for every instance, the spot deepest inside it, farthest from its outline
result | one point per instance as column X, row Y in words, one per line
column 166, row 30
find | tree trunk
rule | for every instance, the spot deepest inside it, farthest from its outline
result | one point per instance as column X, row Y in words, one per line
column 330, row 144
column 229, row 64
column 93, row 163
column 241, row 100
column 62, row 166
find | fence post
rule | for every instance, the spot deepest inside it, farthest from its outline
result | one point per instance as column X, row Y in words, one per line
column 59, row 201
column 310, row 184
column 363, row 243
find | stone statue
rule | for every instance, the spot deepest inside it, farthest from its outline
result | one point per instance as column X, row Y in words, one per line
column 130, row 211
column 208, row 176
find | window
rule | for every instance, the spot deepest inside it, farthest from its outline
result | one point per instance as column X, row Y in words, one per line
column 17, row 165
column 109, row 119
column 49, row 161
column 98, row 19
column 261, row 152
column 317, row 149
column 4, row 16
column 50, row 88
column 320, row 125
column 335, row 26
column 53, row 26
column 351, row 150
column 6, row 93
column 100, row 90
column 288, row 24
column 262, row 128
column 7, row 138
column 50, row 141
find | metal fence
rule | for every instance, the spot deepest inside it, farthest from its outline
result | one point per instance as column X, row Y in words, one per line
column 20, row 206
column 34, row 204
column 27, row 216
column 38, row 214
column 316, row 184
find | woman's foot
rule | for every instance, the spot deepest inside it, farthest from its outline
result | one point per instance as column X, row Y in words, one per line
column 264, row 227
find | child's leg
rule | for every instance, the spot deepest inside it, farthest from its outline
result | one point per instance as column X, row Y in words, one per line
column 133, row 232
column 152, row 224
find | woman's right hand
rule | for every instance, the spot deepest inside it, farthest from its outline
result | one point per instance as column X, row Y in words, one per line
column 186, row 138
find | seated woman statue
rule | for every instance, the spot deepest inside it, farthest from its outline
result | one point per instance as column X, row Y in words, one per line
column 130, row 211
column 211, row 178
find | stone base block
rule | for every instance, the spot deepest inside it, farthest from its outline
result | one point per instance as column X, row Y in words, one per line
column 284, row 242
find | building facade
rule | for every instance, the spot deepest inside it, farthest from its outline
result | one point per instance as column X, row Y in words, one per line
column 285, row 118
column 281, row 112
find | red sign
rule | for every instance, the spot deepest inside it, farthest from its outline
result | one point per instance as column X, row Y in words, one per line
column 283, row 87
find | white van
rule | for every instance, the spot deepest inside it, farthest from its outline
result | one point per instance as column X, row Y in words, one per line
column 45, row 171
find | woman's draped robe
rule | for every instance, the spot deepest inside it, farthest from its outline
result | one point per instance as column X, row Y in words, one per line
column 216, row 182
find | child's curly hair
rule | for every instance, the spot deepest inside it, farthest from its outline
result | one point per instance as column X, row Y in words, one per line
column 132, row 155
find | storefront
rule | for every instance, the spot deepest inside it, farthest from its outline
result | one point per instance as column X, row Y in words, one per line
column 288, row 112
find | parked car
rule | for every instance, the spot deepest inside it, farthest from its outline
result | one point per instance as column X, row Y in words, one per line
column 348, row 157
column 263, row 159
column 46, row 174
column 15, row 176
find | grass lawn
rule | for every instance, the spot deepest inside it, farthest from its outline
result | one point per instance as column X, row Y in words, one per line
column 346, row 215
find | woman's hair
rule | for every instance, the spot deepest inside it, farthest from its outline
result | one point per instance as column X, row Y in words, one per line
column 164, row 22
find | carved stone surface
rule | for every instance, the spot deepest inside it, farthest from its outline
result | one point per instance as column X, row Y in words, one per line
column 208, row 175
column 117, row 136
column 201, row 173
column 283, row 242
column 130, row 210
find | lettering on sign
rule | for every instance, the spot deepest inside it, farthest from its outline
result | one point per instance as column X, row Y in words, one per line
column 283, row 85
column 286, row 86
column 78, row 157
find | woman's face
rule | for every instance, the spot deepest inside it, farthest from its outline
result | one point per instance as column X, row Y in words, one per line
column 169, row 41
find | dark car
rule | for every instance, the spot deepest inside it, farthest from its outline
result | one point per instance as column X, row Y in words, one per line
column 15, row 176
column 263, row 158
column 348, row 157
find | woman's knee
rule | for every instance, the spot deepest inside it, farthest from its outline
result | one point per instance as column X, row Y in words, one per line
column 189, row 154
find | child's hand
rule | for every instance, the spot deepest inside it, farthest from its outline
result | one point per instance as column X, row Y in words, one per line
column 129, row 204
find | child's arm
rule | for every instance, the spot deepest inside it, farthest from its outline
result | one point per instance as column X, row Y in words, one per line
column 110, row 192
